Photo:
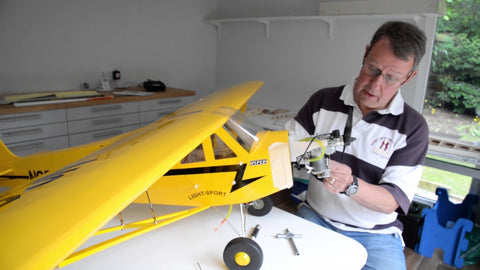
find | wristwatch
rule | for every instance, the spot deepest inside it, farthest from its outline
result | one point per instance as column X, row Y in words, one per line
column 352, row 188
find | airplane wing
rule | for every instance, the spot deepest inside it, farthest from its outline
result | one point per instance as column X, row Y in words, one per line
column 59, row 212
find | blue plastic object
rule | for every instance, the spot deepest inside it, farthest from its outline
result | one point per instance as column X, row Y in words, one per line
column 445, row 226
column 299, row 189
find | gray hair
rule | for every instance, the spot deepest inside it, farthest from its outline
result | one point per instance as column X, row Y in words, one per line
column 406, row 40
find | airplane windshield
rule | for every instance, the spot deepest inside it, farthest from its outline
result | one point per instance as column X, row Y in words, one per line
column 243, row 129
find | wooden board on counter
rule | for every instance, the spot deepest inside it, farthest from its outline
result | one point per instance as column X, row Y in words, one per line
column 117, row 98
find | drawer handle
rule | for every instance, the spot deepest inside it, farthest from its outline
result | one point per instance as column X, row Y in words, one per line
column 22, row 132
column 20, row 118
column 172, row 101
column 106, row 121
column 106, row 134
column 106, row 108
column 29, row 146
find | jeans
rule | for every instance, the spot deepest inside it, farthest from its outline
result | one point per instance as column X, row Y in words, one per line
column 385, row 251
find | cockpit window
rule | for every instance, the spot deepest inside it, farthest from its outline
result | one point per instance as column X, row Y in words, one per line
column 243, row 129
column 196, row 155
column 220, row 149
column 240, row 127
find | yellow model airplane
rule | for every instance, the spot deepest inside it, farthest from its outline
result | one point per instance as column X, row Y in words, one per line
column 205, row 154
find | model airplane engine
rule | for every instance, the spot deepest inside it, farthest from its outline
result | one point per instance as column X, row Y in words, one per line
column 316, row 157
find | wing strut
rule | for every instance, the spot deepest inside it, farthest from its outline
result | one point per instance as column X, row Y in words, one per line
column 151, row 208
column 120, row 216
column 243, row 218
column 139, row 228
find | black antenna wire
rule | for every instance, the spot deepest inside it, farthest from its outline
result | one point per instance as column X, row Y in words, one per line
column 347, row 132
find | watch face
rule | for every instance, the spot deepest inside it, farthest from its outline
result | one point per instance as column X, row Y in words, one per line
column 351, row 190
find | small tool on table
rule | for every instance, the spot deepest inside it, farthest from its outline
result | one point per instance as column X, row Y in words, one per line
column 255, row 231
column 288, row 235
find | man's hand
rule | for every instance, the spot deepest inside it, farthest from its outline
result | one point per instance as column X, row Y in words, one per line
column 340, row 177
column 374, row 197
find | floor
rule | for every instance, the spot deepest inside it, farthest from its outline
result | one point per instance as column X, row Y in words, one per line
column 419, row 262
column 414, row 261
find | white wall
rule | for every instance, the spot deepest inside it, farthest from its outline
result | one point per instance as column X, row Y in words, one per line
column 266, row 8
column 331, row 7
column 275, row 8
column 56, row 44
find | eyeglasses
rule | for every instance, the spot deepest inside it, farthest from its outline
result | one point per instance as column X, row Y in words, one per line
column 388, row 79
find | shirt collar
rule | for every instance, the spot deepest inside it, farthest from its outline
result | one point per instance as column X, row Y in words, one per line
column 395, row 107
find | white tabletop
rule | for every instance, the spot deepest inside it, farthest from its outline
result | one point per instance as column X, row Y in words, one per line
column 194, row 244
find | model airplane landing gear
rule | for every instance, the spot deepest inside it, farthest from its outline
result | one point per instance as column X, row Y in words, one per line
column 243, row 253
column 260, row 207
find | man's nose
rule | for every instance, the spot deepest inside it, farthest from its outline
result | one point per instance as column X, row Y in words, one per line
column 377, row 81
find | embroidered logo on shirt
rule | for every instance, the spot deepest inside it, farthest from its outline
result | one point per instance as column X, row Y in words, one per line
column 382, row 147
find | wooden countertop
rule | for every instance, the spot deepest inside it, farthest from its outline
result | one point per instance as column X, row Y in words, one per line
column 169, row 93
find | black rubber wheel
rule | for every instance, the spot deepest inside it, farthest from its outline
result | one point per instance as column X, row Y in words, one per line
column 260, row 207
column 243, row 254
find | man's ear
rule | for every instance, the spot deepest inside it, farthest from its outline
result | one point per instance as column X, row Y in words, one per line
column 409, row 77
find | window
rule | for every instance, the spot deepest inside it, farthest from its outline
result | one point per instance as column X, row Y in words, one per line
column 452, row 103
column 220, row 149
column 197, row 155
column 457, row 184
column 243, row 129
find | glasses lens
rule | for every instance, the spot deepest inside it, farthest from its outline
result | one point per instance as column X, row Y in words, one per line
column 373, row 72
column 390, row 81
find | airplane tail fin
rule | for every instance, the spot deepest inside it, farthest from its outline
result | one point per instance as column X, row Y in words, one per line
column 5, row 154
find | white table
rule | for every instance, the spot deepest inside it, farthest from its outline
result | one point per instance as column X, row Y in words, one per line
column 193, row 243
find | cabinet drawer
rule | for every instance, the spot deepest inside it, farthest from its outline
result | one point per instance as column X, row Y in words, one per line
column 15, row 120
column 34, row 146
column 101, row 110
column 33, row 132
column 165, row 103
column 152, row 116
column 81, row 138
column 113, row 121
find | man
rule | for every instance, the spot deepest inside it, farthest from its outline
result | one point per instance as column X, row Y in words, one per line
column 377, row 175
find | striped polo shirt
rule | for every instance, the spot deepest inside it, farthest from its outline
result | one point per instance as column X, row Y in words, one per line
column 389, row 150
